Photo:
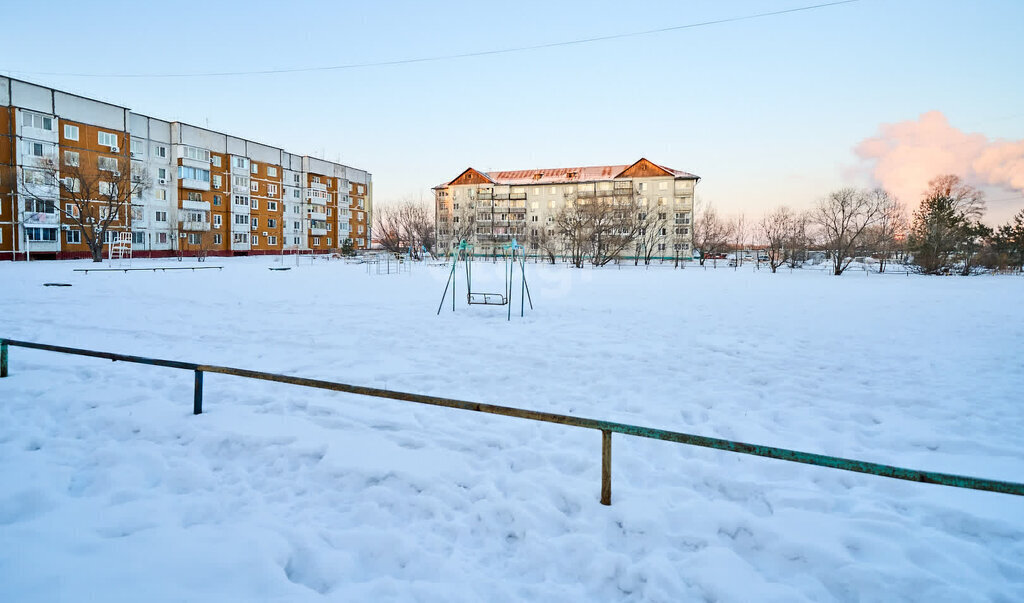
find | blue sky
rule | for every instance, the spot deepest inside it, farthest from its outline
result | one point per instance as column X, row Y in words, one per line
column 766, row 111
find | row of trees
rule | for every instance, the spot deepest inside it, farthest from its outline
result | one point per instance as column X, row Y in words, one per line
column 945, row 235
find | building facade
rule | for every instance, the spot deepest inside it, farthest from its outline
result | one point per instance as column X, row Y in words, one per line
column 205, row 192
column 489, row 209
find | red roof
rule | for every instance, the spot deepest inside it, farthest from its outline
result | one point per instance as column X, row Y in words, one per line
column 567, row 174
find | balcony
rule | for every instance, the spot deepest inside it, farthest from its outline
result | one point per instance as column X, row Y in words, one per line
column 584, row 193
column 318, row 232
column 517, row 196
column 517, row 210
column 317, row 215
column 196, row 205
column 604, row 193
column 40, row 218
column 192, row 226
column 318, row 186
column 240, row 246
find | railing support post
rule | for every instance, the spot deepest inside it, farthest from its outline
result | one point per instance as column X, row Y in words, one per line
column 606, row 467
column 197, row 401
column 3, row 358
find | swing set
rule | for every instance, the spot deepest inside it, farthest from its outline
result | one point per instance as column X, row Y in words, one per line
column 514, row 255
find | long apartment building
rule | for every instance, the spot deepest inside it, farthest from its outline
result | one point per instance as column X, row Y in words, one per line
column 489, row 209
column 206, row 191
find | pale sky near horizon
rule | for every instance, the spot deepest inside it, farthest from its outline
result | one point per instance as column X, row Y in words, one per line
column 767, row 111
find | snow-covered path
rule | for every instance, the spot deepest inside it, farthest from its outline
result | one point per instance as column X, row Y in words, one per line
column 113, row 491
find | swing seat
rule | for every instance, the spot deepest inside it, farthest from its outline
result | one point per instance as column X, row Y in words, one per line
column 487, row 299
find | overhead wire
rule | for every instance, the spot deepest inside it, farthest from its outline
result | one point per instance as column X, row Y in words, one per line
column 447, row 57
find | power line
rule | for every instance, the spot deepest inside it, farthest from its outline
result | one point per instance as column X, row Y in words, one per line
column 447, row 57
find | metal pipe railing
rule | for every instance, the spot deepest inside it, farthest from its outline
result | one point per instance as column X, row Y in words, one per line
column 605, row 427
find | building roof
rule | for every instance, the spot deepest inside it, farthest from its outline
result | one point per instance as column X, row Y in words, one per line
column 569, row 174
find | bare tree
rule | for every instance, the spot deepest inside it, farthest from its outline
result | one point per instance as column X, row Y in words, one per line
column 91, row 197
column 844, row 216
column 776, row 229
column 885, row 236
column 711, row 233
column 947, row 226
column 740, row 235
column 651, row 231
column 601, row 228
column 799, row 239
column 404, row 226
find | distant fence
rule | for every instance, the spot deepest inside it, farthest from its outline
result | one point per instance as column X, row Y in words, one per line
column 605, row 427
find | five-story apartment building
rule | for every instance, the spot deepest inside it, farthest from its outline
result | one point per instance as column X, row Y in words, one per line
column 489, row 209
column 204, row 191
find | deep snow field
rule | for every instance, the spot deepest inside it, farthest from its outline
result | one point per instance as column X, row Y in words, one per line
column 113, row 491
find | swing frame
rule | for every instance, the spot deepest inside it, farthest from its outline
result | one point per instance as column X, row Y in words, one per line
column 514, row 255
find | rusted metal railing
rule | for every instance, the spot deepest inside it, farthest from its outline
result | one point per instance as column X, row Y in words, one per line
column 605, row 427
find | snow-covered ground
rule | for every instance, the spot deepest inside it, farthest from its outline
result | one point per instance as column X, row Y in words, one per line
column 113, row 491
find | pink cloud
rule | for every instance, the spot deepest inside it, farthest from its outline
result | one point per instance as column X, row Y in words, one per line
column 904, row 156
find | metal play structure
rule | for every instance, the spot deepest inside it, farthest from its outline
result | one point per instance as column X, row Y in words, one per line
column 514, row 256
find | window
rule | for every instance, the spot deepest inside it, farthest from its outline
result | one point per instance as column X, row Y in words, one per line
column 271, row 190
column 195, row 216
column 160, row 194
column 217, row 220
column 295, row 240
column 72, row 185
column 295, row 177
column 328, row 226
column 295, row 209
column 73, row 236
column 216, row 180
column 138, row 238
column 254, row 186
column 193, row 238
column 35, row 120
column 242, row 200
column 35, row 149
column 296, row 225
column 271, row 223
column 190, row 173
column 661, row 247
column 108, row 164
column 255, row 223
column 328, row 241
column 255, row 203
column 160, row 151
column 643, row 186
column 240, row 237
column 71, row 210
column 255, row 240
column 271, row 171
column 160, row 216
column 316, row 179
column 360, row 189
column 106, row 139
column 272, row 240
column 240, row 181
column 271, row 205
column 360, row 229
column 215, row 160
column 137, row 213
column 254, row 168
column 137, row 147
column 217, row 239
column 216, row 199
column 195, row 153
column 316, row 240
column 161, row 237
column 241, row 162
column 295, row 193
column 71, row 133
column 241, row 219
column 108, row 189
column 328, row 211
column 41, row 234
column 193, row 196
column 359, row 242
